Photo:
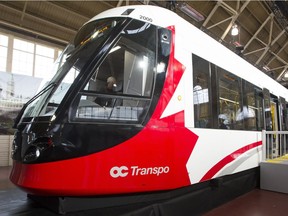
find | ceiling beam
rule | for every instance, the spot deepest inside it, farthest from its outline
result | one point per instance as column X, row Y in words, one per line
column 270, row 42
column 235, row 17
column 257, row 32
column 23, row 12
column 279, row 51
column 68, row 10
column 211, row 13
column 58, row 25
column 282, row 74
column 36, row 33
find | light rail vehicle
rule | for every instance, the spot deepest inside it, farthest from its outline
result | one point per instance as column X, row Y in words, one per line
column 143, row 101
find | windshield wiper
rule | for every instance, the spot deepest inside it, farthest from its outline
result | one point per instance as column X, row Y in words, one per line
column 18, row 117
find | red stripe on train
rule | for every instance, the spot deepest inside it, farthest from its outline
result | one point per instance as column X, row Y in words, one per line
column 217, row 167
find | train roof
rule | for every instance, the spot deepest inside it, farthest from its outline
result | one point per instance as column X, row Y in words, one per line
column 141, row 11
column 196, row 41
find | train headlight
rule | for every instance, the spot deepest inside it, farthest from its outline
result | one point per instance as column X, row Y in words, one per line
column 14, row 147
column 32, row 154
column 37, row 149
column 37, row 153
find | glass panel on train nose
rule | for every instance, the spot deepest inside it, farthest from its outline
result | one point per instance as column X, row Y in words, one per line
column 121, row 87
column 70, row 65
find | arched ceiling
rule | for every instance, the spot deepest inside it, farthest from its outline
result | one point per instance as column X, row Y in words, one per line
column 263, row 25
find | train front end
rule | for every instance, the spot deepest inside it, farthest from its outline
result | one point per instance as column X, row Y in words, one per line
column 97, row 127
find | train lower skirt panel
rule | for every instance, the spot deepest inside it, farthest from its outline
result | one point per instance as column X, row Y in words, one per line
column 191, row 200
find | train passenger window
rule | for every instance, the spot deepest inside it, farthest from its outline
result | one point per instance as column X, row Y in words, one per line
column 201, row 93
column 236, row 104
column 250, row 111
column 259, row 109
column 283, row 114
column 267, row 110
column 229, row 101
column 121, row 87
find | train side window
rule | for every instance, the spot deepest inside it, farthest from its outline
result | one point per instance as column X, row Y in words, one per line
column 267, row 110
column 283, row 114
column 259, row 104
column 229, row 100
column 201, row 93
column 250, row 110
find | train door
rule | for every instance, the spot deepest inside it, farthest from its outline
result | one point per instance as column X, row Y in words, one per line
column 269, row 120
column 283, row 114
column 274, row 116
column 276, row 125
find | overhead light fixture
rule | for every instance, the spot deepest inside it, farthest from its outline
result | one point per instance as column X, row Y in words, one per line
column 234, row 30
column 191, row 12
column 266, row 68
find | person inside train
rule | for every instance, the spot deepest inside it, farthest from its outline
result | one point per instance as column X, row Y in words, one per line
column 109, row 88
column 111, row 84
column 223, row 121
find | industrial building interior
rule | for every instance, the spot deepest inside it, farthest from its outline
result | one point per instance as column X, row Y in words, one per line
column 255, row 30
column 262, row 25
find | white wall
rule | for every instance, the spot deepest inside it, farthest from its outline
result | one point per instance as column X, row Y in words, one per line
column 5, row 150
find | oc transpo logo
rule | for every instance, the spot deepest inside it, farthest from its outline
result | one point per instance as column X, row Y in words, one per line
column 124, row 171
column 116, row 172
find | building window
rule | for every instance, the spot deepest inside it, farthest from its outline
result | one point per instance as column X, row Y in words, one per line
column 44, row 59
column 3, row 52
column 23, row 57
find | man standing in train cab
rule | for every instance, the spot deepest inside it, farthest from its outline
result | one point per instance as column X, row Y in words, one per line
column 109, row 88
column 111, row 84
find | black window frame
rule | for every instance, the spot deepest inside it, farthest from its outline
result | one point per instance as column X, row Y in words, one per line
column 256, row 124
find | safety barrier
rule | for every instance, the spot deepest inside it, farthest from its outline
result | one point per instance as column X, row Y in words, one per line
column 274, row 144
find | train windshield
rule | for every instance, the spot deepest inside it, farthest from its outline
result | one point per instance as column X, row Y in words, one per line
column 68, row 66
column 120, row 88
column 110, row 69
